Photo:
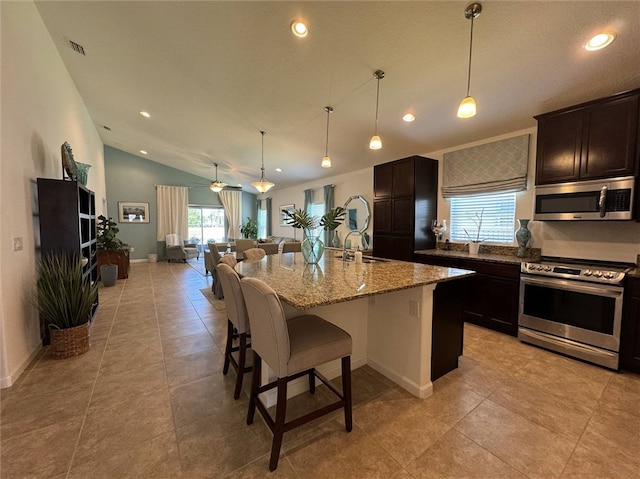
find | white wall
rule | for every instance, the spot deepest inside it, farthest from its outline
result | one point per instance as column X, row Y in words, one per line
column 41, row 109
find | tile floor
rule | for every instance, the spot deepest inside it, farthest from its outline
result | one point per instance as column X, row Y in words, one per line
column 149, row 401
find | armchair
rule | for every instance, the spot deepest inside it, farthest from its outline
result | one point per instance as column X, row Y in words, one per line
column 178, row 250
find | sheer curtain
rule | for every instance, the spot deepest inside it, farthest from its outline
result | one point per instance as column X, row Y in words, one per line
column 328, row 204
column 232, row 202
column 173, row 210
column 269, row 224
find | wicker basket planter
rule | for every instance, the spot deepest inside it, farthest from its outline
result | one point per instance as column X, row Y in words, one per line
column 68, row 342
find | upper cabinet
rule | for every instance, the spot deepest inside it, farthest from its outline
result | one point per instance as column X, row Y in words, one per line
column 599, row 139
column 405, row 202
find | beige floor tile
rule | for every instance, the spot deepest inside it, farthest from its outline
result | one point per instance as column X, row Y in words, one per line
column 61, row 374
column 566, row 417
column 124, row 356
column 167, row 317
column 126, row 420
column 215, row 446
column 156, row 458
column 145, row 379
column 26, row 411
column 178, row 330
column 331, row 452
column 175, row 347
column 42, row 453
column 622, row 393
column 190, row 367
column 456, row 456
column 524, row 445
column 259, row 469
column 205, row 397
column 451, row 400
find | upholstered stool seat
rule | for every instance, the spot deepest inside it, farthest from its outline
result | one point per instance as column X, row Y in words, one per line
column 237, row 325
column 253, row 254
column 292, row 349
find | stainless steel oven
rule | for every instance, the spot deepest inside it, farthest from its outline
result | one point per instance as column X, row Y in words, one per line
column 573, row 308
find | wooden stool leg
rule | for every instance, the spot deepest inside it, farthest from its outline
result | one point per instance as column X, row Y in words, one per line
column 255, row 384
column 278, row 431
column 242, row 355
column 227, row 349
column 312, row 382
column 346, row 392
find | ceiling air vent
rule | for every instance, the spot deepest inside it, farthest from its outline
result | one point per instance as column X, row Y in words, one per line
column 77, row 47
column 106, row 127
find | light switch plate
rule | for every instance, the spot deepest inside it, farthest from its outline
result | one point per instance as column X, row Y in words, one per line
column 17, row 243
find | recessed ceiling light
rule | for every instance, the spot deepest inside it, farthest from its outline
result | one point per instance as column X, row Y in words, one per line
column 279, row 170
column 299, row 29
column 600, row 41
column 408, row 117
column 144, row 152
column 145, row 114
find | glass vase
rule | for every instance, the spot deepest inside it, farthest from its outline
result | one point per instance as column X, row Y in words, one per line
column 335, row 242
column 312, row 249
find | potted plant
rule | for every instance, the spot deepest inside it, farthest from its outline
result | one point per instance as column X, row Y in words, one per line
column 474, row 243
column 111, row 251
column 65, row 300
column 312, row 245
column 249, row 230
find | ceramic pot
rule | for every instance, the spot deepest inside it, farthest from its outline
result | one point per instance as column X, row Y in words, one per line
column 523, row 236
column 474, row 247
column 109, row 274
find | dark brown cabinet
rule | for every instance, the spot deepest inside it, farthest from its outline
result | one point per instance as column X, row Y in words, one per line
column 405, row 202
column 67, row 216
column 630, row 334
column 491, row 297
column 599, row 139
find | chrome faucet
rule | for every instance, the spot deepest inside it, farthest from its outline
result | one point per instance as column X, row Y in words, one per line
column 345, row 254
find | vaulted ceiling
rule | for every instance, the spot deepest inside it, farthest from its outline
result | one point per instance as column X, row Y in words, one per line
column 212, row 74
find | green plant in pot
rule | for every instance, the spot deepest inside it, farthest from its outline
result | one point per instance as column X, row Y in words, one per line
column 312, row 245
column 65, row 301
column 249, row 230
column 110, row 247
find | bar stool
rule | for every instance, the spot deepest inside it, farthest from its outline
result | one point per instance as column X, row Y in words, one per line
column 253, row 254
column 292, row 349
column 229, row 259
column 237, row 325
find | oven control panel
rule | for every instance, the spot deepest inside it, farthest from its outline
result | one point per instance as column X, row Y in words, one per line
column 574, row 272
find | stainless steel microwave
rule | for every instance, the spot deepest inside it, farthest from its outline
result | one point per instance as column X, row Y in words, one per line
column 607, row 199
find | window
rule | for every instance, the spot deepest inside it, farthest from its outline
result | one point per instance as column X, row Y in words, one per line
column 262, row 222
column 316, row 210
column 207, row 224
column 498, row 217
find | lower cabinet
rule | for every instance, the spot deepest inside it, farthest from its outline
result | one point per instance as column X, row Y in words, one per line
column 491, row 298
column 630, row 334
column 121, row 258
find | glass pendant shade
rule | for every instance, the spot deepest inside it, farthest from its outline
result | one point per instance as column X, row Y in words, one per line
column 467, row 108
column 263, row 185
column 326, row 162
column 375, row 143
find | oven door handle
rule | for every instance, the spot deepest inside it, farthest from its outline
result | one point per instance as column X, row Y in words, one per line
column 600, row 289
column 602, row 203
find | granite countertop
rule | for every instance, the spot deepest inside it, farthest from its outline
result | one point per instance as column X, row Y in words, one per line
column 634, row 273
column 333, row 280
column 489, row 257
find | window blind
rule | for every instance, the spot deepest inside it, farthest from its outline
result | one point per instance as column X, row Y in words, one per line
column 498, row 213
column 493, row 167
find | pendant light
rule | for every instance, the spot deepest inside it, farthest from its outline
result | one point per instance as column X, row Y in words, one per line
column 467, row 107
column 263, row 185
column 326, row 161
column 216, row 186
column 376, row 142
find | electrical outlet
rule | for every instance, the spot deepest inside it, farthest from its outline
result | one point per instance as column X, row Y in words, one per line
column 131, row 249
column 17, row 243
column 414, row 309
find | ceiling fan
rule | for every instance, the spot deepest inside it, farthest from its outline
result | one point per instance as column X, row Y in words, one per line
column 217, row 185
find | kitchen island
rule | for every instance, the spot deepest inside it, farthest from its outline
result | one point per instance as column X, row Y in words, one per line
column 387, row 306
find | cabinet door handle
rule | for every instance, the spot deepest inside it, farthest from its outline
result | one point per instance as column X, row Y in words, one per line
column 602, row 203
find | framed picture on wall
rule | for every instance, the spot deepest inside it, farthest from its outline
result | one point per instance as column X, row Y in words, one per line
column 129, row 212
column 283, row 216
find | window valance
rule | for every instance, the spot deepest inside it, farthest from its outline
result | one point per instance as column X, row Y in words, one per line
column 489, row 168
